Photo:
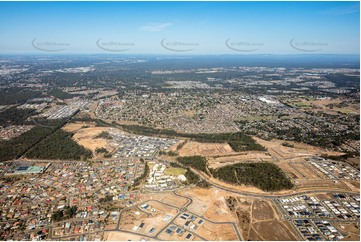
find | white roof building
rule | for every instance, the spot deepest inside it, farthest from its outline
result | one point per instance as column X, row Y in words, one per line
column 182, row 178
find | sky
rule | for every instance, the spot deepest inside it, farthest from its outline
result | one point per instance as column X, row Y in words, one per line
column 180, row 27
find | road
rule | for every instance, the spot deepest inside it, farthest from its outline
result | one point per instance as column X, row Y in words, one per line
column 184, row 208
column 180, row 211
column 258, row 195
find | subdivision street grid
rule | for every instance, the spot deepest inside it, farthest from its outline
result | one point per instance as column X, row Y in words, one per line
column 84, row 185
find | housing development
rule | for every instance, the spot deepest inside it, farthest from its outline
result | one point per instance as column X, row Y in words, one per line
column 233, row 152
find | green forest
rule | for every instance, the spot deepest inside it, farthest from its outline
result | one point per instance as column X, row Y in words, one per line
column 16, row 147
column 16, row 95
column 266, row 176
column 197, row 162
column 66, row 213
column 145, row 174
column 59, row 146
column 13, row 116
column 57, row 93
column 103, row 135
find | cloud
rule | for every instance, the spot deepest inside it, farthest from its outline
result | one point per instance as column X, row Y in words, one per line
column 155, row 27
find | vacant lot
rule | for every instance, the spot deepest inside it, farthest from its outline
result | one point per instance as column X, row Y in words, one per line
column 262, row 210
column 73, row 127
column 351, row 229
column 320, row 184
column 251, row 156
column 143, row 221
column 256, row 219
column 290, row 171
column 209, row 203
column 216, row 232
column 274, row 230
column 174, row 171
column 300, row 150
column 168, row 198
column 330, row 106
column 85, row 133
column 306, row 170
column 192, row 148
column 121, row 236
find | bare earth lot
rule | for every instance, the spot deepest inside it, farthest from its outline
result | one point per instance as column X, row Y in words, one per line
column 205, row 149
column 251, row 156
column 300, row 150
column 84, row 134
column 121, row 236
column 256, row 219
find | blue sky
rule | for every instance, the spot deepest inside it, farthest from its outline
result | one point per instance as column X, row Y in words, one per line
column 184, row 27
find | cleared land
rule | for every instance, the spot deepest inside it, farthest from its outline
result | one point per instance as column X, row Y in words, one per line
column 209, row 203
column 167, row 198
column 174, row 171
column 262, row 210
column 306, row 171
column 144, row 220
column 267, row 225
column 192, row 148
column 273, row 230
column 85, row 133
column 121, row 236
column 251, row 156
column 300, row 150
column 320, row 184
column 329, row 106
column 351, row 229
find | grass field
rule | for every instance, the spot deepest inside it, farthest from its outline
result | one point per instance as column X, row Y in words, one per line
column 174, row 171
column 343, row 110
column 151, row 165
column 301, row 104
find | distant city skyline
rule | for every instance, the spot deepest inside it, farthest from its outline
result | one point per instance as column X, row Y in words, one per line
column 180, row 27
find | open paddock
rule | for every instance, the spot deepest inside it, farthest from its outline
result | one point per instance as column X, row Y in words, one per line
column 263, row 210
column 320, row 184
column 122, row 236
column 352, row 230
column 306, row 171
column 209, row 203
column 290, row 171
column 275, row 230
column 191, row 148
column 251, row 156
column 213, row 231
column 299, row 150
column 167, row 198
column 85, row 133
column 147, row 221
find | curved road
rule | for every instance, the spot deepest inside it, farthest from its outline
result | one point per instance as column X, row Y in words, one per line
column 257, row 195
column 190, row 201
